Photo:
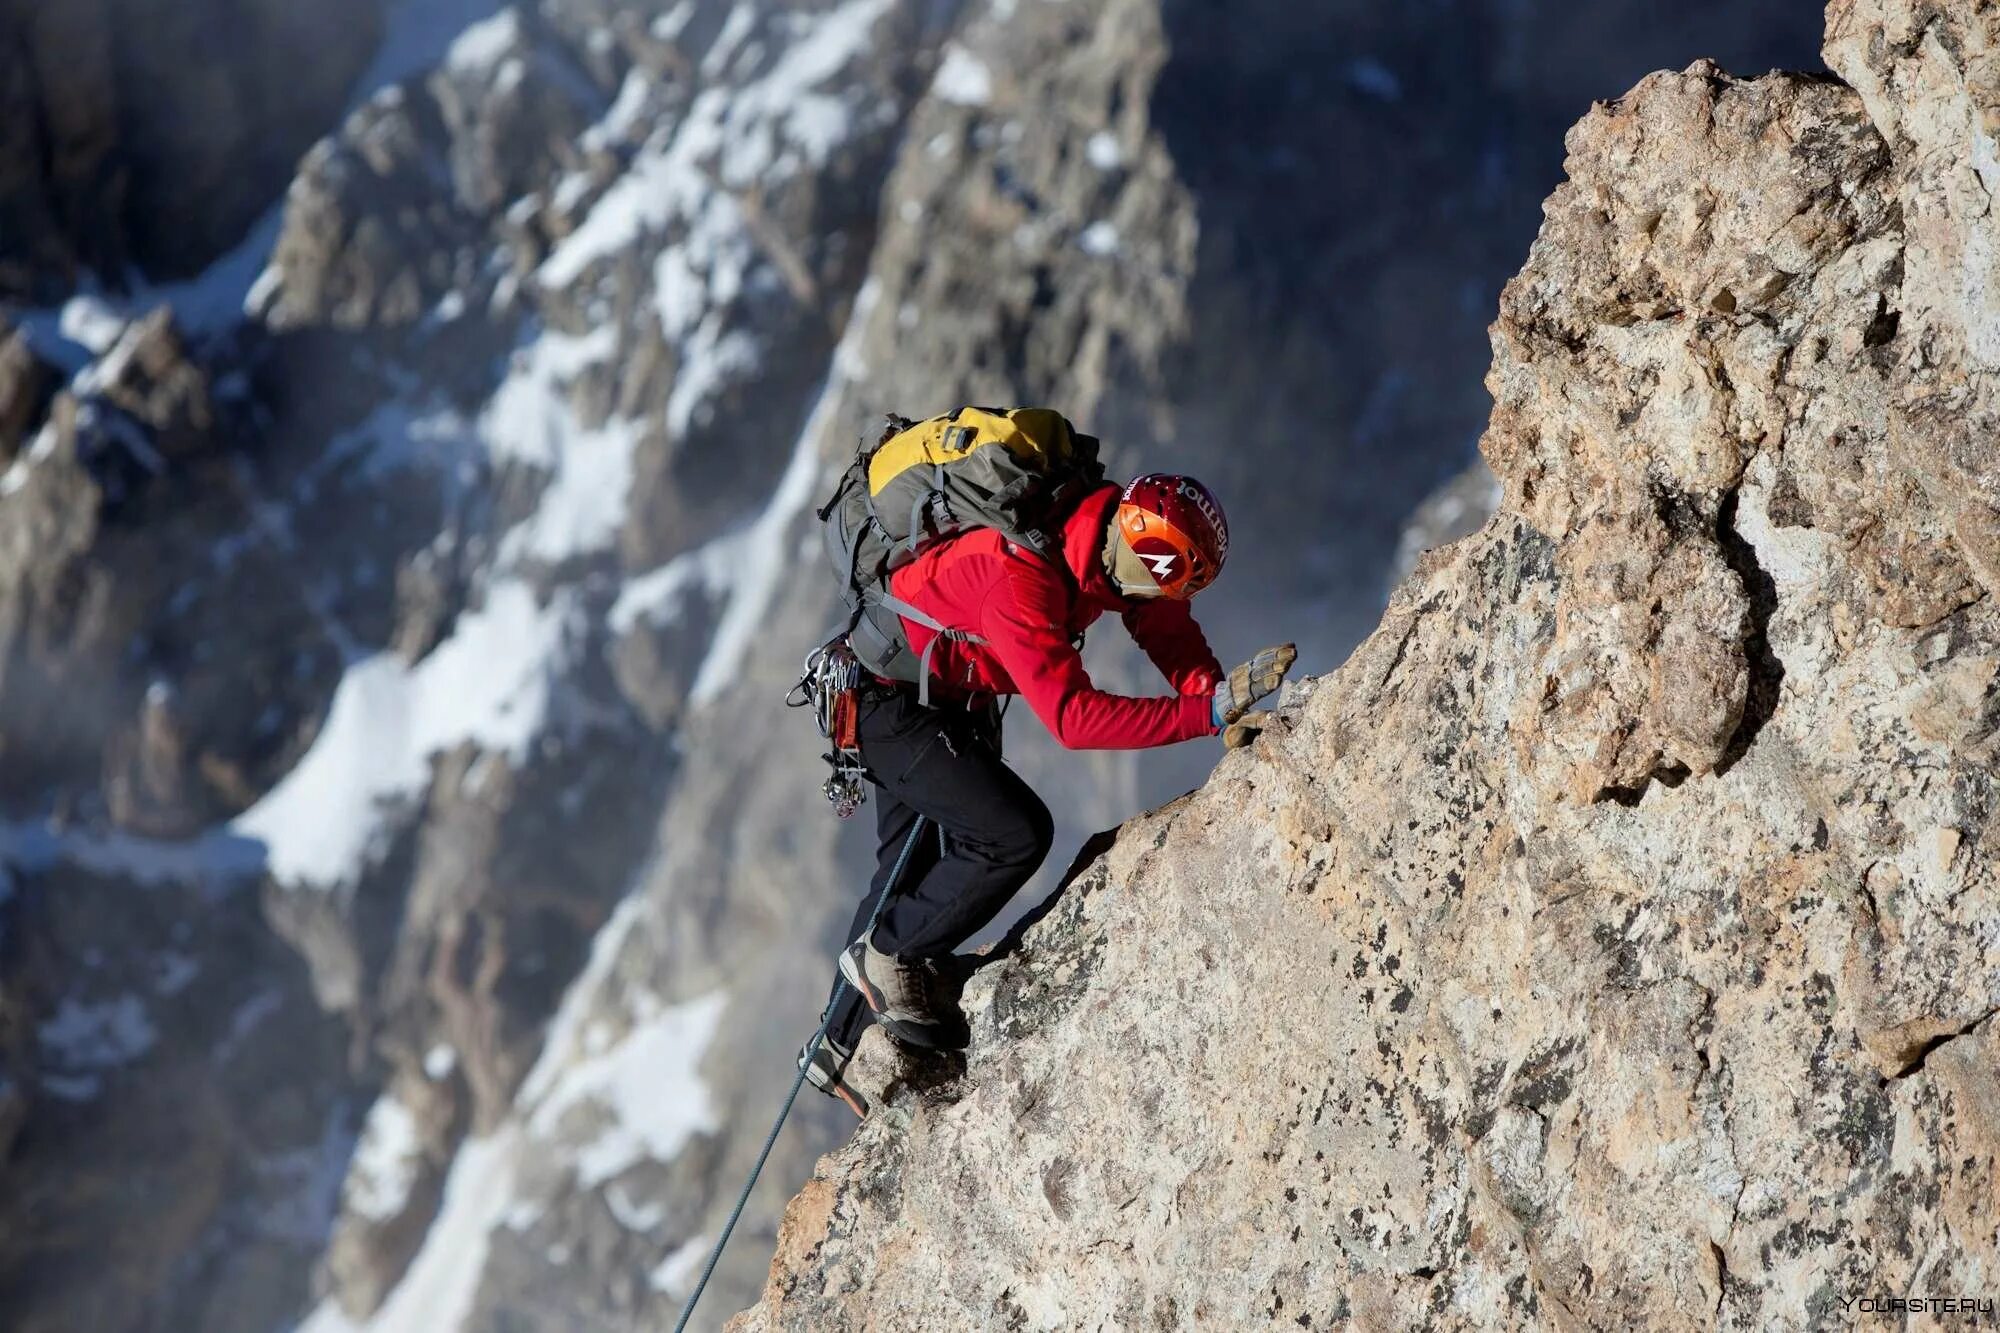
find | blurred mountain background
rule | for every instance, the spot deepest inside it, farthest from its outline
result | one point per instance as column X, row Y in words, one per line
column 411, row 891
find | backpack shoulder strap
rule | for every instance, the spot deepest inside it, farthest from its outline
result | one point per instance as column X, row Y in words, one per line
column 940, row 633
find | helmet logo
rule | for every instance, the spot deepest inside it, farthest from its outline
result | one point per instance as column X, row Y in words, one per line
column 1162, row 559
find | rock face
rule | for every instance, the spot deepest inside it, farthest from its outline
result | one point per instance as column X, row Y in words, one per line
column 1610, row 940
column 137, row 136
column 25, row 384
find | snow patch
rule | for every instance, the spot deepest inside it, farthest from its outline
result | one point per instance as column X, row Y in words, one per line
column 519, row 1216
column 173, row 972
column 742, row 569
column 636, row 203
column 707, row 268
column 739, row 134
column 639, row 1217
column 711, row 361
column 742, row 18
column 214, row 860
column 489, row 684
column 39, row 450
column 963, row 78
column 675, row 1274
column 92, row 322
column 1099, row 238
column 694, row 282
column 759, row 571
column 421, row 33
column 530, row 420
column 660, row 597
column 625, row 117
column 635, row 1097
column 642, row 1098
column 669, row 26
column 263, row 291
column 437, row 1289
column 563, row 1041
column 571, row 191
column 385, row 1161
column 481, row 47
column 85, row 1036
column 1103, row 151
column 398, row 435
column 439, row 1062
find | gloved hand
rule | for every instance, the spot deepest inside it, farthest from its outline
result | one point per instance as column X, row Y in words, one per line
column 1241, row 733
column 1255, row 679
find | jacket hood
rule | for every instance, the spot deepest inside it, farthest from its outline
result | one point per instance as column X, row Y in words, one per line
column 1083, row 545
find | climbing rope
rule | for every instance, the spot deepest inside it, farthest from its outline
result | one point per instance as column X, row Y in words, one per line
column 812, row 1049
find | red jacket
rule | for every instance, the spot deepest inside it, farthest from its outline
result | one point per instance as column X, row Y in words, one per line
column 1029, row 615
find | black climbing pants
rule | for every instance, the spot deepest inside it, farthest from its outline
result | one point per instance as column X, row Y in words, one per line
column 987, row 831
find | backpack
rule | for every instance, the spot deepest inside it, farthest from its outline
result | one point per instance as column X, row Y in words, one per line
column 1017, row 470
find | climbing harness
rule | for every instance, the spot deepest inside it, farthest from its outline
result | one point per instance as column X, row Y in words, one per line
column 831, row 687
column 812, row 1049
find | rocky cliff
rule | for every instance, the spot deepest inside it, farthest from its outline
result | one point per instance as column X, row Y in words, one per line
column 137, row 139
column 411, row 895
column 1610, row 942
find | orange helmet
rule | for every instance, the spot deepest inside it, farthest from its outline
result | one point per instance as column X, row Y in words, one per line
column 1176, row 529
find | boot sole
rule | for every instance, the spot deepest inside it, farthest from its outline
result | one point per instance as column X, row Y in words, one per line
column 923, row 1036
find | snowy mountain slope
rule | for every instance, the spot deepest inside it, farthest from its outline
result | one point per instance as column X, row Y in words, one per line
column 476, row 680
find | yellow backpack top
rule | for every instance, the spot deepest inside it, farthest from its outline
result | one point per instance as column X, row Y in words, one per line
column 1038, row 441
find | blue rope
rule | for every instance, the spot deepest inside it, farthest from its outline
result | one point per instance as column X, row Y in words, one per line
column 812, row 1049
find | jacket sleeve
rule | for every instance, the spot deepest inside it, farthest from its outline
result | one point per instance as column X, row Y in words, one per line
column 1021, row 624
column 1166, row 632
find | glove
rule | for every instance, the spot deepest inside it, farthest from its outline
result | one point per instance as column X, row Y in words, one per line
column 1255, row 679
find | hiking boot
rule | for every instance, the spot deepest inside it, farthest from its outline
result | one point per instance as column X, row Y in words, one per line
column 825, row 1063
column 903, row 996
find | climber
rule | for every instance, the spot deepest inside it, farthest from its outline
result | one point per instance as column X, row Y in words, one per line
column 932, row 748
